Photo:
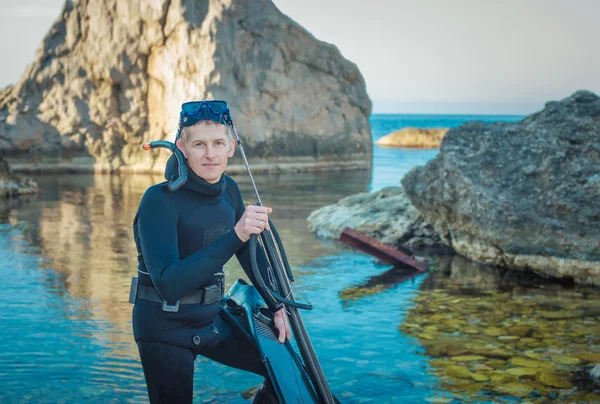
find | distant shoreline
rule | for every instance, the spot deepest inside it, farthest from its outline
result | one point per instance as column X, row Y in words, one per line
column 256, row 168
column 446, row 114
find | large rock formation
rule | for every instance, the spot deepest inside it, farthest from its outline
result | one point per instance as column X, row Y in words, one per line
column 111, row 75
column 523, row 194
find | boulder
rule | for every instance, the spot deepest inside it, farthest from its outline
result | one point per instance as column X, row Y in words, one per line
column 523, row 194
column 386, row 215
column 111, row 75
column 420, row 138
column 12, row 185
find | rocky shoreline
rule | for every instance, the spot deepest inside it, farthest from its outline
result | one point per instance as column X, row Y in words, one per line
column 519, row 195
column 12, row 186
column 386, row 215
column 84, row 165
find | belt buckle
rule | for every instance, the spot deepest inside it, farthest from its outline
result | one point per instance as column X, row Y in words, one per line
column 173, row 308
column 133, row 290
column 212, row 294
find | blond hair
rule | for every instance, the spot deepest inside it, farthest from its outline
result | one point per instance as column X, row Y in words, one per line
column 183, row 135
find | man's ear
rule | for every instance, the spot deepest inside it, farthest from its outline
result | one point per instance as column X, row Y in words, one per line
column 179, row 145
column 231, row 148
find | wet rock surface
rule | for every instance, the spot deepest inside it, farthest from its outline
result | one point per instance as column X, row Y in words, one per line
column 521, row 195
column 386, row 215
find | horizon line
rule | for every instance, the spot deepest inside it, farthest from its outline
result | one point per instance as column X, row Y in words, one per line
column 446, row 114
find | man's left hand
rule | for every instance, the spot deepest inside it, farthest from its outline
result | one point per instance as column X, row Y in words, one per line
column 283, row 325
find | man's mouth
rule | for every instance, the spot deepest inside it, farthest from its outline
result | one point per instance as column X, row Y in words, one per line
column 210, row 165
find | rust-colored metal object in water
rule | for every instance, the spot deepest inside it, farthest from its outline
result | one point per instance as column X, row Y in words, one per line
column 384, row 252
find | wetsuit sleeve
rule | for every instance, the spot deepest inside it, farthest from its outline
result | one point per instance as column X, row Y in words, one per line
column 172, row 277
column 243, row 254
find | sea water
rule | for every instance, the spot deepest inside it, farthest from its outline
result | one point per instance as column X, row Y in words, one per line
column 68, row 257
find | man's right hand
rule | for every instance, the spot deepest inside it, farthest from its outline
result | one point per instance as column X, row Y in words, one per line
column 254, row 220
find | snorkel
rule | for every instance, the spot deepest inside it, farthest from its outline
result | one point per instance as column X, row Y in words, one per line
column 173, row 185
column 218, row 111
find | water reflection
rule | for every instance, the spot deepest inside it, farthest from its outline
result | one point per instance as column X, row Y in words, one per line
column 70, row 255
column 378, row 283
column 82, row 225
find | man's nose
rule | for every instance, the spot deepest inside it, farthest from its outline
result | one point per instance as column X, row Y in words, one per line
column 210, row 152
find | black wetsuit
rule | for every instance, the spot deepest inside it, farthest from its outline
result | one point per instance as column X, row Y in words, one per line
column 185, row 238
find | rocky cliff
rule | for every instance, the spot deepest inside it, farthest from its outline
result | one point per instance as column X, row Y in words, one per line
column 522, row 194
column 111, row 75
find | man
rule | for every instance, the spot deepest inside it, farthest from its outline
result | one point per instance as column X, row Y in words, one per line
column 184, row 238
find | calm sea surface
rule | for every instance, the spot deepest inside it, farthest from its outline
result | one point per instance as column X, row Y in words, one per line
column 68, row 257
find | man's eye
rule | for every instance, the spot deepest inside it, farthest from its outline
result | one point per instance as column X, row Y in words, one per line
column 220, row 143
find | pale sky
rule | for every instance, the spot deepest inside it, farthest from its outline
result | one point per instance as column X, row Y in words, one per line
column 425, row 56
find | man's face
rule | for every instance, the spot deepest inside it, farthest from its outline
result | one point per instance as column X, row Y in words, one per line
column 207, row 150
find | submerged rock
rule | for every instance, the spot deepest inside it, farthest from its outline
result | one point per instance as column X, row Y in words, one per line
column 565, row 360
column 459, row 372
column 493, row 331
column 460, row 322
column 421, row 138
column 530, row 363
column 551, row 379
column 514, row 389
column 468, row 358
column 590, row 357
column 520, row 330
column 521, row 195
column 111, row 75
column 500, row 378
column 522, row 371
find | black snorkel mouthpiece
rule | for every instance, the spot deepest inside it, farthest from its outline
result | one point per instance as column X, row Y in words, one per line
column 177, row 183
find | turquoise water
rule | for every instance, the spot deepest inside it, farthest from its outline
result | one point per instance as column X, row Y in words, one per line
column 68, row 257
column 391, row 164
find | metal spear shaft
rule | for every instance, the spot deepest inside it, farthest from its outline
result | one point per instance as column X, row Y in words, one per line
column 307, row 350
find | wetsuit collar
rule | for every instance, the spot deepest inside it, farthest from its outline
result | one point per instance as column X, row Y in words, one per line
column 194, row 182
